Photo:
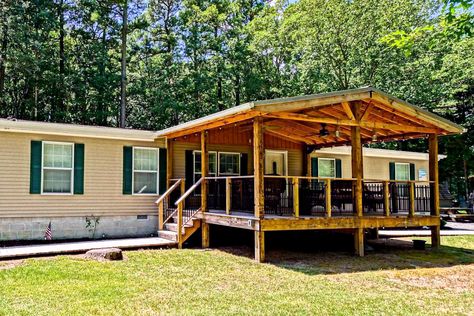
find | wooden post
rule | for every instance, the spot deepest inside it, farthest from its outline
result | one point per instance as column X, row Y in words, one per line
column 357, row 163
column 433, row 173
column 258, row 161
column 228, row 195
column 296, row 196
column 386, row 198
column 411, row 211
column 183, row 190
column 328, row 198
column 359, row 242
column 259, row 246
column 161, row 210
column 205, row 234
column 204, row 170
column 169, row 161
column 179, row 226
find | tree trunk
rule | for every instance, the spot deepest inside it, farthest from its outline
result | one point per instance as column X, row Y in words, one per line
column 3, row 57
column 237, row 89
column 123, row 86
column 61, row 109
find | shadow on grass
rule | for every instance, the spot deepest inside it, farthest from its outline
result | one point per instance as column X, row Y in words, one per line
column 315, row 254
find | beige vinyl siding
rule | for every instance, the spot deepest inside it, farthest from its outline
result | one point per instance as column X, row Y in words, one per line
column 102, row 180
column 376, row 168
column 295, row 157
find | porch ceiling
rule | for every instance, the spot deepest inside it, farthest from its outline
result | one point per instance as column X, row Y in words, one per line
column 300, row 119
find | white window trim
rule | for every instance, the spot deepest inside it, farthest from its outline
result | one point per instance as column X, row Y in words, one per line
column 157, row 171
column 409, row 170
column 51, row 168
column 194, row 164
column 219, row 164
column 285, row 153
column 331, row 159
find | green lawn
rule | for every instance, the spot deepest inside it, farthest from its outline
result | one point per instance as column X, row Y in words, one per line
column 181, row 282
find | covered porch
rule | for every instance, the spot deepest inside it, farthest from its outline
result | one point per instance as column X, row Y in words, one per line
column 273, row 192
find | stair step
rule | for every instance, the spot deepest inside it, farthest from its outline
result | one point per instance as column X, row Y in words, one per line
column 174, row 227
column 167, row 234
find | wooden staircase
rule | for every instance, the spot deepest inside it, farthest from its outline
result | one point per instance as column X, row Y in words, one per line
column 170, row 228
column 177, row 224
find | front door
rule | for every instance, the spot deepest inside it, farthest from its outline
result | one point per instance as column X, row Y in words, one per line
column 276, row 163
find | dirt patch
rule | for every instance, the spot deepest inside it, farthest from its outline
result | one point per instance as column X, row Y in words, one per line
column 5, row 265
column 457, row 279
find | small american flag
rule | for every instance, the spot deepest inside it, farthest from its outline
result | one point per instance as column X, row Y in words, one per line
column 48, row 234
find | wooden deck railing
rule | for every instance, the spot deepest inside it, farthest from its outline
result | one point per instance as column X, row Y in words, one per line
column 187, row 207
column 316, row 196
column 164, row 212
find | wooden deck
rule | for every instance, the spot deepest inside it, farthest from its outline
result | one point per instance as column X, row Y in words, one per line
column 282, row 223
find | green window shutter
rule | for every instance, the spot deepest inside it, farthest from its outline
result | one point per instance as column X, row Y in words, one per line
column 392, row 170
column 35, row 167
column 314, row 167
column 189, row 167
column 127, row 170
column 244, row 158
column 412, row 171
column 338, row 168
column 78, row 168
column 162, row 170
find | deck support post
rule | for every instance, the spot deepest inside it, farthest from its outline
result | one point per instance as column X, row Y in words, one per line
column 205, row 234
column 204, row 171
column 258, row 161
column 296, row 197
column 434, row 177
column 259, row 245
column 411, row 211
column 328, row 198
column 386, row 198
column 359, row 242
column 228, row 195
column 357, row 163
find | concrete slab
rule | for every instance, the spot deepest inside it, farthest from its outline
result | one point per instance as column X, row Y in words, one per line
column 82, row 246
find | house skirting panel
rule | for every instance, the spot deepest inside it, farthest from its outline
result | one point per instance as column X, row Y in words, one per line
column 78, row 227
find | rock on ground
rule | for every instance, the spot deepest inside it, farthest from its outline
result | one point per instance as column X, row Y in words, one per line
column 105, row 254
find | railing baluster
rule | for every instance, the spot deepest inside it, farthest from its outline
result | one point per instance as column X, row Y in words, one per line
column 296, row 197
column 328, row 198
column 412, row 199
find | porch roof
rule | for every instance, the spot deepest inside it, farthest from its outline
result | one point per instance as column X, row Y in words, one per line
column 302, row 118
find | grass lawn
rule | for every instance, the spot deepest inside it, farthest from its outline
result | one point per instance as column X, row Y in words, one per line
column 387, row 281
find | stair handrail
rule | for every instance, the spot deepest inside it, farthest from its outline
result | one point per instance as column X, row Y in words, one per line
column 179, row 203
column 160, row 201
column 188, row 192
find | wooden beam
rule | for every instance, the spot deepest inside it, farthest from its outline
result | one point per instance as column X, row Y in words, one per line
column 359, row 242
column 346, row 222
column 320, row 101
column 293, row 138
column 258, row 166
column 328, row 198
column 386, row 198
column 367, row 112
column 228, row 195
column 296, row 197
column 169, row 161
column 205, row 235
column 357, row 163
column 214, row 124
column 434, row 176
column 345, row 122
column 260, row 246
column 347, row 108
column 204, row 169
column 411, row 210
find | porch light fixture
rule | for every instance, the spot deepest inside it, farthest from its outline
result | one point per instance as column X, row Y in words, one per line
column 323, row 132
column 374, row 137
column 337, row 133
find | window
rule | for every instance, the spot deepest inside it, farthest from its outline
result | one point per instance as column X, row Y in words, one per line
column 197, row 164
column 402, row 171
column 145, row 170
column 57, row 167
column 229, row 164
column 326, row 167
